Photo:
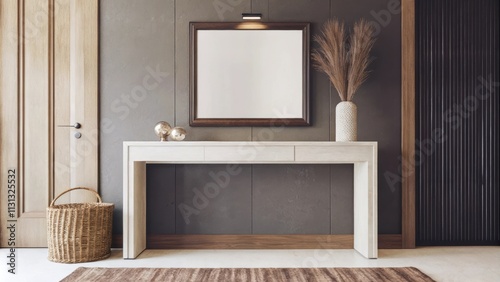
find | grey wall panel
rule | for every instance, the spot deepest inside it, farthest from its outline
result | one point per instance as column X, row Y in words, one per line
column 160, row 199
column 291, row 199
column 342, row 199
column 379, row 100
column 138, row 34
column 209, row 202
column 135, row 41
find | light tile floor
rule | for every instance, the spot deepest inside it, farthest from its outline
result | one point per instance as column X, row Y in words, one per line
column 441, row 263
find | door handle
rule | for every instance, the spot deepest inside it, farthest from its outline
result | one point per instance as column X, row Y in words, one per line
column 77, row 125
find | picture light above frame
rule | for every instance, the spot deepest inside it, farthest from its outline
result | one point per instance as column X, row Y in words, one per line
column 249, row 74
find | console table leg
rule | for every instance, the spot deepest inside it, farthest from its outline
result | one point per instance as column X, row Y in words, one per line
column 134, row 210
column 365, row 210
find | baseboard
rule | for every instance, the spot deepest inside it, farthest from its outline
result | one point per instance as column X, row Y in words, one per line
column 390, row 241
column 169, row 241
column 250, row 242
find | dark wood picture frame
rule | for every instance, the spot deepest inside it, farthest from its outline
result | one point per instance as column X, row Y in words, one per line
column 193, row 101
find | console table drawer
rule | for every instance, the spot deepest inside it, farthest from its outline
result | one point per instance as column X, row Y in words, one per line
column 249, row 154
column 167, row 154
column 348, row 154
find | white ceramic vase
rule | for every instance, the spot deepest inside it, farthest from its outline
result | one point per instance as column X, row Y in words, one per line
column 346, row 122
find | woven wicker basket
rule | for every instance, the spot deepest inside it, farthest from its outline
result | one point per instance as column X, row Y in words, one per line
column 79, row 232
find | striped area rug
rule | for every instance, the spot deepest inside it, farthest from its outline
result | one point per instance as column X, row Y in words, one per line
column 399, row 274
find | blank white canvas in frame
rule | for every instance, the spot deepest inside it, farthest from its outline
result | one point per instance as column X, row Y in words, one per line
column 249, row 74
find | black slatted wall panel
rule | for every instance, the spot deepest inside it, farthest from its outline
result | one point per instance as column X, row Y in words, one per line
column 457, row 122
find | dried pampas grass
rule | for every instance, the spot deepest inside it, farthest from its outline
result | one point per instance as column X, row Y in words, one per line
column 344, row 59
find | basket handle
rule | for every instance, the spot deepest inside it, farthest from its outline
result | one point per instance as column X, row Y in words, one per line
column 76, row 188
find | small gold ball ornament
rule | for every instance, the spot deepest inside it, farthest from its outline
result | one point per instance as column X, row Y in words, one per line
column 163, row 130
column 178, row 134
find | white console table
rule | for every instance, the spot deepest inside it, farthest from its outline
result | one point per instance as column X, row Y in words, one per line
column 362, row 154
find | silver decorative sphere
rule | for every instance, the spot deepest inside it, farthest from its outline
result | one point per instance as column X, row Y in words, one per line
column 178, row 134
column 163, row 130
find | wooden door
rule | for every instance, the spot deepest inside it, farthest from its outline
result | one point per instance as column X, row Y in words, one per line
column 48, row 79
